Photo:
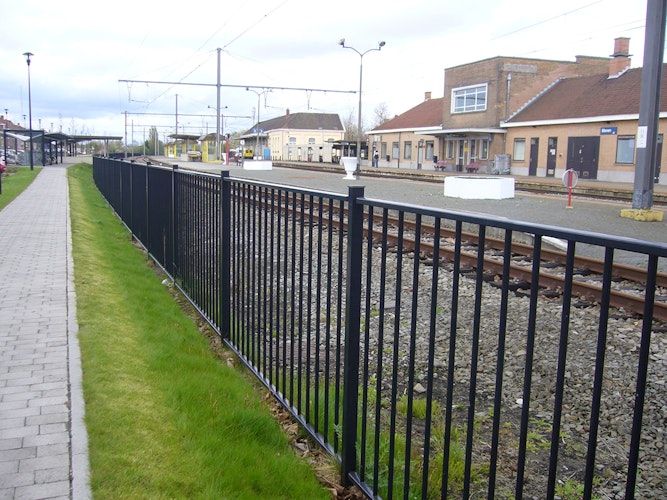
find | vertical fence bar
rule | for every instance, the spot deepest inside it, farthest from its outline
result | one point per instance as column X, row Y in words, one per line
column 396, row 353
column 380, row 351
column 560, row 375
column 339, row 321
column 642, row 369
column 411, row 354
column 367, row 326
column 500, row 363
column 355, row 234
column 599, row 372
column 174, row 220
column 225, row 253
column 528, row 374
column 309, row 305
column 449, row 399
column 474, row 358
column 328, row 329
column 431, row 356
column 318, row 312
column 300, row 318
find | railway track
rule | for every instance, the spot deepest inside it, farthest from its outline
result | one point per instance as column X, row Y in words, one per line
column 629, row 282
column 584, row 285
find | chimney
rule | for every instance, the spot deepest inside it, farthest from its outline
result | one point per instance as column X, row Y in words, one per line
column 287, row 112
column 620, row 59
column 427, row 96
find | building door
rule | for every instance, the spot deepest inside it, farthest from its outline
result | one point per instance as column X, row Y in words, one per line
column 462, row 158
column 582, row 156
column 551, row 156
column 534, row 151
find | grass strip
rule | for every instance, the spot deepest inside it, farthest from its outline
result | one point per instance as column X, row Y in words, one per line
column 166, row 419
column 14, row 182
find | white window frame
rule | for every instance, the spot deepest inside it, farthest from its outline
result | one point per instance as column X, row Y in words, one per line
column 519, row 150
column 470, row 96
column 622, row 151
column 407, row 150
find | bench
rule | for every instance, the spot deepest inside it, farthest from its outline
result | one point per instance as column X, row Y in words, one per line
column 473, row 167
column 440, row 165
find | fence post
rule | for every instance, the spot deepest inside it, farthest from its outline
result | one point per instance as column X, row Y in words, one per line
column 225, row 253
column 355, row 234
column 174, row 221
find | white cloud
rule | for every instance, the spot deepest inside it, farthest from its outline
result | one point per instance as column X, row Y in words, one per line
column 82, row 50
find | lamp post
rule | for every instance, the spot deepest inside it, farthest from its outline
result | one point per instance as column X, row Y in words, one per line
column 361, row 70
column 27, row 56
column 259, row 94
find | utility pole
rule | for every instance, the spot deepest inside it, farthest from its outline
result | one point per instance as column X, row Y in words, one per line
column 649, row 109
column 217, row 114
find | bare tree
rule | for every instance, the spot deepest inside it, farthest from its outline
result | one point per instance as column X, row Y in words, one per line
column 380, row 114
column 350, row 124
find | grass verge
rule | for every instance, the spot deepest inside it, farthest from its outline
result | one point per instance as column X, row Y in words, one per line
column 14, row 182
column 166, row 419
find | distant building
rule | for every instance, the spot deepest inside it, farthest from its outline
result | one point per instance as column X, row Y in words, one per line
column 588, row 124
column 478, row 98
column 296, row 136
column 398, row 140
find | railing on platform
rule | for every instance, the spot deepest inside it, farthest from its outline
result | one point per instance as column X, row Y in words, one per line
column 423, row 377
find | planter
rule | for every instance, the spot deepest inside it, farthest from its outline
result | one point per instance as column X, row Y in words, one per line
column 257, row 165
column 479, row 188
column 350, row 164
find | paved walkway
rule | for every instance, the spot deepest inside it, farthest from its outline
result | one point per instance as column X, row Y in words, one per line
column 43, row 439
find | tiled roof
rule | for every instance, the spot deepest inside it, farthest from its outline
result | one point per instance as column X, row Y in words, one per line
column 590, row 96
column 426, row 114
column 302, row 121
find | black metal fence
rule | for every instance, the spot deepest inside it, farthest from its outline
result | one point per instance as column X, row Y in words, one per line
column 422, row 374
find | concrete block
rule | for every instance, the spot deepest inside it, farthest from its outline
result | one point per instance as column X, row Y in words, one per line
column 479, row 188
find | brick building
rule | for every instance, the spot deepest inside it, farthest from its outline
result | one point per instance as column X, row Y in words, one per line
column 588, row 124
column 477, row 98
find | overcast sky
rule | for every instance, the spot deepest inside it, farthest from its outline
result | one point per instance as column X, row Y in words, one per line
column 82, row 51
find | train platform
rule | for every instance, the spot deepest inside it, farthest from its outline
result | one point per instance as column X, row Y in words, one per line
column 595, row 205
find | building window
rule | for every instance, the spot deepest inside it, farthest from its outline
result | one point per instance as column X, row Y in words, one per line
column 468, row 99
column 311, row 140
column 407, row 150
column 394, row 150
column 519, row 150
column 292, row 140
column 383, row 149
column 625, row 149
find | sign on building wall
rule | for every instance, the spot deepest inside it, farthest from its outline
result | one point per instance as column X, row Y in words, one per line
column 608, row 130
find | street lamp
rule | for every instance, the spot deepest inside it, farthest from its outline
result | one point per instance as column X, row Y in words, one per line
column 27, row 56
column 361, row 67
column 259, row 94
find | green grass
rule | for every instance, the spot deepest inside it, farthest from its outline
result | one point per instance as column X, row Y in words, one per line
column 15, row 181
column 165, row 417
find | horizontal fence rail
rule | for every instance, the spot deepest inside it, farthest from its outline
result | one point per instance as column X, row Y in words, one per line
column 425, row 374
